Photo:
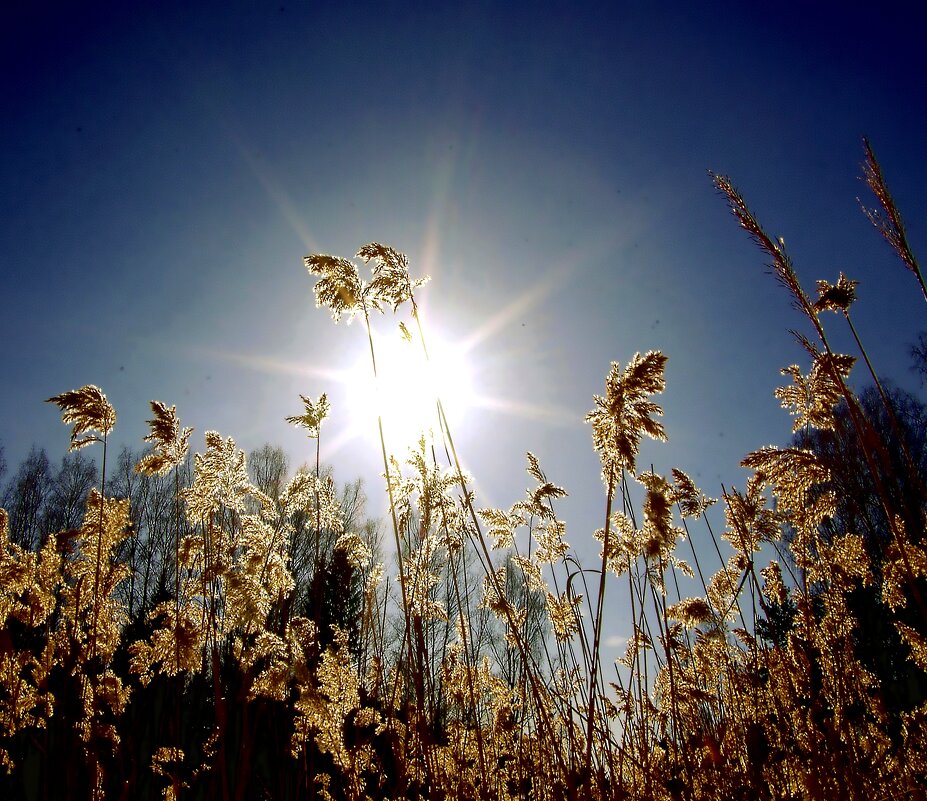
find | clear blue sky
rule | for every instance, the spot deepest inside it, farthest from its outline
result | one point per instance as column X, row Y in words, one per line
column 164, row 167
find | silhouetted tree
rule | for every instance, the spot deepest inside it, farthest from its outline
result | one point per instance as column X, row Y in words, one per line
column 919, row 356
column 26, row 496
column 861, row 510
column 268, row 467
column 76, row 476
column 335, row 599
column 149, row 552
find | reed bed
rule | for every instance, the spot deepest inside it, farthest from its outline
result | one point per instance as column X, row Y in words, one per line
column 284, row 651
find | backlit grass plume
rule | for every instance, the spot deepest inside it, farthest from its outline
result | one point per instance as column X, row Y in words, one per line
column 781, row 264
column 619, row 420
column 316, row 412
column 339, row 287
column 171, row 442
column 811, row 398
column 836, row 297
column 887, row 220
column 221, row 482
column 391, row 281
column 626, row 412
column 89, row 411
column 689, row 498
column 99, row 616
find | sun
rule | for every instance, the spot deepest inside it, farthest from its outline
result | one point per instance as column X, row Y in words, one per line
column 407, row 387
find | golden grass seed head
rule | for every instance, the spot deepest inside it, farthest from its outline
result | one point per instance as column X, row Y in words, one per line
column 339, row 286
column 836, row 297
column 88, row 410
column 391, row 282
column 311, row 420
column 356, row 551
column 691, row 612
column 812, row 399
column 563, row 611
column 690, row 499
column 171, row 442
column 625, row 414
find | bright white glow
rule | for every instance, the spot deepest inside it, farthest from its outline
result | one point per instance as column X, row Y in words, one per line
column 408, row 386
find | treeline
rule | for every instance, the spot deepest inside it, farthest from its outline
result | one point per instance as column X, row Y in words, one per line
column 42, row 499
column 39, row 497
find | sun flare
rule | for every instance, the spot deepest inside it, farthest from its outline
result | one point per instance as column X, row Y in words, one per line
column 407, row 386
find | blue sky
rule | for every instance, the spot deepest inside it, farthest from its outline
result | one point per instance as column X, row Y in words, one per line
column 164, row 169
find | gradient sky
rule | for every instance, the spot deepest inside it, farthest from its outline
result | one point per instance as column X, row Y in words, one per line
column 164, row 167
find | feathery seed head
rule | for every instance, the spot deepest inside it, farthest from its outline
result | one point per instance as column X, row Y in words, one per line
column 659, row 535
column 88, row 409
column 811, row 399
column 316, row 412
column 221, row 479
column 773, row 586
column 887, row 220
column 625, row 413
column 781, row 263
column 551, row 545
column 836, row 297
column 356, row 551
column 690, row 499
column 170, row 440
column 502, row 526
column 339, row 286
column 563, row 611
column 690, row 612
column 391, row 282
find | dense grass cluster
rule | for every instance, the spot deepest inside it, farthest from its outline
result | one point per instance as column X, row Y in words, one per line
column 215, row 628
